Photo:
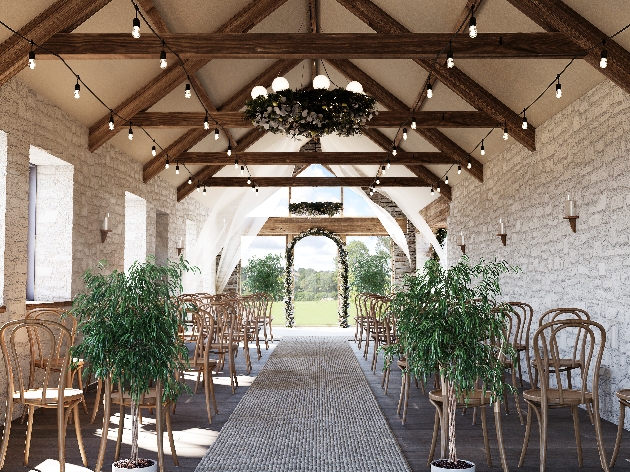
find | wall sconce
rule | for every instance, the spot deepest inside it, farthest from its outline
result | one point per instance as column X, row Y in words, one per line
column 105, row 229
column 460, row 242
column 569, row 213
column 180, row 246
column 502, row 232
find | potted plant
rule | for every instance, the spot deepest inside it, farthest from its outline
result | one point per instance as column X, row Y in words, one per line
column 449, row 324
column 129, row 327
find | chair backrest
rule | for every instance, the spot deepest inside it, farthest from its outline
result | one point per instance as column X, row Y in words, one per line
column 557, row 314
column 590, row 338
column 57, row 315
column 52, row 335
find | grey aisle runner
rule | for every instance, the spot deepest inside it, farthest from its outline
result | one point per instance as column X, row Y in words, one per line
column 309, row 409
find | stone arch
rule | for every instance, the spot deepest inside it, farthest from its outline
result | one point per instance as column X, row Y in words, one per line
column 342, row 276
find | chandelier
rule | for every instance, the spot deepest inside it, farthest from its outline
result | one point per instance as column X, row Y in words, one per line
column 311, row 113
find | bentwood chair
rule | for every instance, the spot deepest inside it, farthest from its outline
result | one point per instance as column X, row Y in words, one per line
column 513, row 328
column 522, row 337
column 403, row 401
column 48, row 388
column 624, row 401
column 148, row 401
column 222, row 343
column 549, row 342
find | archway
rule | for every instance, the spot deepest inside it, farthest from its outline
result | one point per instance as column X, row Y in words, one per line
column 342, row 275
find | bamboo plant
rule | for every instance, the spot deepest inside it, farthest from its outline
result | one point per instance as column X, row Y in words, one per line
column 446, row 318
column 129, row 327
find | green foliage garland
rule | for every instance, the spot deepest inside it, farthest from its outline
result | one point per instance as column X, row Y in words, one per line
column 312, row 113
column 344, row 291
column 315, row 208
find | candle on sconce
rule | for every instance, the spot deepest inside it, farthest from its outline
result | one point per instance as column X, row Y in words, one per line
column 569, row 207
column 501, row 227
column 106, row 223
column 180, row 244
column 460, row 239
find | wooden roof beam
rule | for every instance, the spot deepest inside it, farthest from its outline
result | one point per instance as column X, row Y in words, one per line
column 455, row 79
column 315, row 182
column 61, row 15
column 308, row 158
column 174, row 75
column 558, row 15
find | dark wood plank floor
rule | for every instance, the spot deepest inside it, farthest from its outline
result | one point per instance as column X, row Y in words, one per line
column 193, row 435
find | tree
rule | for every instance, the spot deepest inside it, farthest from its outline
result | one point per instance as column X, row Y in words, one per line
column 369, row 272
column 265, row 275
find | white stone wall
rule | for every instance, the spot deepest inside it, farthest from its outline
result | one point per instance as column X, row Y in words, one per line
column 583, row 151
column 135, row 229
column 3, row 205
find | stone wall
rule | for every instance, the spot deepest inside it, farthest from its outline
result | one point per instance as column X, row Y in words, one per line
column 583, row 151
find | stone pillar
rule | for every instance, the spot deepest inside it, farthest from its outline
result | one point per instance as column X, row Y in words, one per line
column 234, row 282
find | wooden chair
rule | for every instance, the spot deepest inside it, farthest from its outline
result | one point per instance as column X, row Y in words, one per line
column 548, row 344
column 46, row 391
column 379, row 330
column 222, row 343
column 522, row 337
column 148, row 401
column 39, row 360
column 512, row 332
column 624, row 401
column 403, row 401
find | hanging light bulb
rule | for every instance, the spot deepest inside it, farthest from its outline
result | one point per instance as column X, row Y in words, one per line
column 130, row 133
column 163, row 63
column 31, row 59
column 236, row 163
column 603, row 59
column 167, row 164
column 524, row 120
column 432, row 191
column 429, row 91
column 204, row 190
column 439, row 187
column 413, row 122
column 469, row 165
column 253, row 187
column 459, row 170
column 506, row 135
column 321, row 82
column 446, row 180
column 187, row 93
column 259, row 91
column 405, row 134
column 153, row 151
column 189, row 180
column 472, row 26
column 394, row 151
column 229, row 151
column 111, row 122
column 256, row 190
column 388, row 164
column 206, row 123
column 279, row 84
column 216, row 134
column 198, row 186
column 242, row 170
column 558, row 88
column 135, row 30
column 177, row 168
column 383, row 168
column 450, row 62
column 249, row 180
column 483, row 148
column 371, row 191
column 77, row 89
column 378, row 181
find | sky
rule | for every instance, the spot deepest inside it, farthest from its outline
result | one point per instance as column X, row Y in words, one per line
column 315, row 252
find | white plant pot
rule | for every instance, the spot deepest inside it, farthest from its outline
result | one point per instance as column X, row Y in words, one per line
column 152, row 468
column 435, row 468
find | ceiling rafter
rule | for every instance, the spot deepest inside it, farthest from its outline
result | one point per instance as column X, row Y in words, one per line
column 583, row 33
column 324, row 158
column 173, row 76
column 194, row 136
column 384, row 119
column 61, row 15
column 314, row 182
column 389, row 100
column 206, row 172
column 455, row 79
column 154, row 15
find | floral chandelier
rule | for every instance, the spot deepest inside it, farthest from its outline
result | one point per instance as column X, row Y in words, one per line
column 311, row 113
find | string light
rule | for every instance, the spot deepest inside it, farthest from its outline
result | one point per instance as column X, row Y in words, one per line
column 177, row 168
column 111, row 122
column 204, row 190
column 432, row 191
column 229, row 151
column 469, row 165
column 378, row 181
column 130, row 133
column 189, row 180
column 256, row 190
column 506, row 135
column 413, row 123
column 163, row 63
column 405, row 134
column 198, row 186
column 206, row 123
column 135, row 30
column 31, row 59
column 603, row 58
column 187, row 93
column 483, row 148
column 446, row 180
column 383, row 170
column 524, row 120
column 167, row 163
column 394, row 151
column 249, row 180
column 242, row 170
column 558, row 88
column 429, row 91
column 459, row 170
column 236, row 163
column 439, row 188
column 153, row 151
column 450, row 62
column 472, row 26
column 77, row 89
column 216, row 134
column 253, row 187
column 388, row 164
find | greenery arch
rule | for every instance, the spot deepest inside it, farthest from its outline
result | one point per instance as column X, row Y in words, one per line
column 342, row 271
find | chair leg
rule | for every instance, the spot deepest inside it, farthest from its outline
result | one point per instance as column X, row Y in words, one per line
column 106, row 410
column 402, row 393
column 80, row 382
column 207, row 383
column 99, row 388
column 497, row 423
column 169, row 430
column 528, row 429
column 578, row 441
column 544, row 413
column 486, row 442
column 30, row 409
column 121, row 425
column 598, row 435
column 61, row 437
column 7, row 429
column 406, row 405
column 622, row 418
column 436, row 427
column 77, row 429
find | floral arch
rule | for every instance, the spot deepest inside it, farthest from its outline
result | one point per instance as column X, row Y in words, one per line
column 342, row 275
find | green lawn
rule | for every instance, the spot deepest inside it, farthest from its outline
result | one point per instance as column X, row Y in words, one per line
column 321, row 313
